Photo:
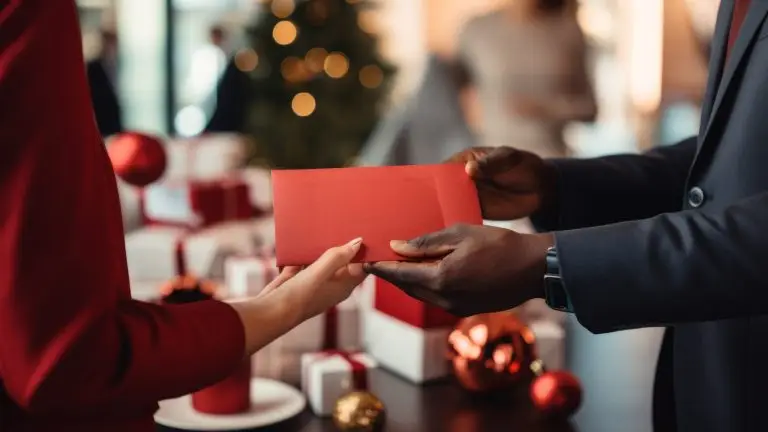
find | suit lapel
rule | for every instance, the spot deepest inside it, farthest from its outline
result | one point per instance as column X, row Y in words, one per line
column 717, row 55
column 749, row 28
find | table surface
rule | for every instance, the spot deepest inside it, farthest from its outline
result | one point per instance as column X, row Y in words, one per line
column 438, row 407
column 616, row 371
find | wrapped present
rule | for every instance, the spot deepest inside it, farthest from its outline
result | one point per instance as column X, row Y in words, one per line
column 195, row 204
column 247, row 275
column 550, row 343
column 407, row 336
column 338, row 328
column 205, row 157
column 393, row 302
column 416, row 354
column 154, row 253
column 328, row 375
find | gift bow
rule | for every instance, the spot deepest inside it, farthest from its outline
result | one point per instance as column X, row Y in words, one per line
column 359, row 370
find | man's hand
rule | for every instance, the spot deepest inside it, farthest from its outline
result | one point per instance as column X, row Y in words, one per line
column 511, row 184
column 470, row 269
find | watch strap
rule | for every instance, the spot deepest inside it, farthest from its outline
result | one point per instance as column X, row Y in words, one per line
column 554, row 289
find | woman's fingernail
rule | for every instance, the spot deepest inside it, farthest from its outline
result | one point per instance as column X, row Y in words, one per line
column 397, row 243
column 355, row 243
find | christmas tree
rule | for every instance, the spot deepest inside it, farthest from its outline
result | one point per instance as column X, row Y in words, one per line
column 314, row 83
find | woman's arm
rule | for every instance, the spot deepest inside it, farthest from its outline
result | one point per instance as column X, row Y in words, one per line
column 72, row 341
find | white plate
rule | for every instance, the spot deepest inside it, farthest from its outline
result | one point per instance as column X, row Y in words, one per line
column 271, row 403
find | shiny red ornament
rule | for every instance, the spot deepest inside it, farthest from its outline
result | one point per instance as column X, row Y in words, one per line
column 491, row 351
column 556, row 394
column 138, row 159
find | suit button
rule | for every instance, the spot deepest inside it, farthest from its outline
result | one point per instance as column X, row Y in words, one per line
column 695, row 197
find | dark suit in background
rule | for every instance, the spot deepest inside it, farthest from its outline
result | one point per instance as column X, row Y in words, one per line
column 697, row 262
column 106, row 105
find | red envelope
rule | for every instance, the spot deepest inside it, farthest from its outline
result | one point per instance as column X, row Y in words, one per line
column 321, row 208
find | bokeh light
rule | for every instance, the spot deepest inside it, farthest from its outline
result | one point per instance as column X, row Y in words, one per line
column 285, row 32
column 283, row 8
column 246, row 60
column 303, row 104
column 315, row 59
column 336, row 65
column 371, row 76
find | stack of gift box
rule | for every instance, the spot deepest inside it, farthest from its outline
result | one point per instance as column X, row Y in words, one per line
column 209, row 216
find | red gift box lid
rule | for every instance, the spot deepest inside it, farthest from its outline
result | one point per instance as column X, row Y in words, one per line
column 390, row 300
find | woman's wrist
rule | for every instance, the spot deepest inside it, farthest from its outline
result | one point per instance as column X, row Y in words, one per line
column 267, row 317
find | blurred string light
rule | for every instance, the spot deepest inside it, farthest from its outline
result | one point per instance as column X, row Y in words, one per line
column 336, row 65
column 371, row 76
column 285, row 32
column 303, row 104
column 283, row 8
column 294, row 70
column 246, row 60
column 315, row 59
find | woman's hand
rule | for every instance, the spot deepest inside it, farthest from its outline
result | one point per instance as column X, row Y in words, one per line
column 325, row 283
column 299, row 294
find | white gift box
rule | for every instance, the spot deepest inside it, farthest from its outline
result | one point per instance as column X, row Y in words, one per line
column 550, row 343
column 309, row 336
column 151, row 251
column 417, row 354
column 273, row 362
column 205, row 157
column 326, row 377
column 246, row 276
column 259, row 183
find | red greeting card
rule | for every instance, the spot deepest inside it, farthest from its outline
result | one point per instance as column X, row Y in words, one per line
column 321, row 208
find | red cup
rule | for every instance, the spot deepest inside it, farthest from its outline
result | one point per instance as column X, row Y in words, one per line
column 230, row 396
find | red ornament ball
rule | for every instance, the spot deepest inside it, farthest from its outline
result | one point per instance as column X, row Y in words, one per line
column 556, row 394
column 138, row 159
column 491, row 351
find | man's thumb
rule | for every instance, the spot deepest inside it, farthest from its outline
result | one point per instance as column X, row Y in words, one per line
column 333, row 259
column 433, row 245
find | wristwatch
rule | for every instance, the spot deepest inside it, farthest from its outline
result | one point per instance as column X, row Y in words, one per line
column 554, row 289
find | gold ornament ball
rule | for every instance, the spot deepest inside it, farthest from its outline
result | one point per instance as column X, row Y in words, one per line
column 359, row 411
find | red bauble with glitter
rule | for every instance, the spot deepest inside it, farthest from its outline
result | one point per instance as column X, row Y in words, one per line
column 138, row 159
column 556, row 394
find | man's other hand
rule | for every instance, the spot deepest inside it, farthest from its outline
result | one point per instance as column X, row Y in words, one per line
column 469, row 269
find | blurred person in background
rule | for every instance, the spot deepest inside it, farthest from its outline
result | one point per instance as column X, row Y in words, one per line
column 76, row 352
column 527, row 65
column 102, row 79
column 207, row 66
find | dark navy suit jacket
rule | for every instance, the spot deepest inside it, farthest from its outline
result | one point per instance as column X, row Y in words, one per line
column 678, row 237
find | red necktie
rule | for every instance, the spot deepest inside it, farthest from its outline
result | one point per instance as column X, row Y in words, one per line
column 739, row 13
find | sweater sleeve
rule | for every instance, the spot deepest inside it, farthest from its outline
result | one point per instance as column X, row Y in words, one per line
column 73, row 341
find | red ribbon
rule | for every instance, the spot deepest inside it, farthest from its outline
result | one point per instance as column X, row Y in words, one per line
column 359, row 370
column 331, row 329
column 181, row 260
